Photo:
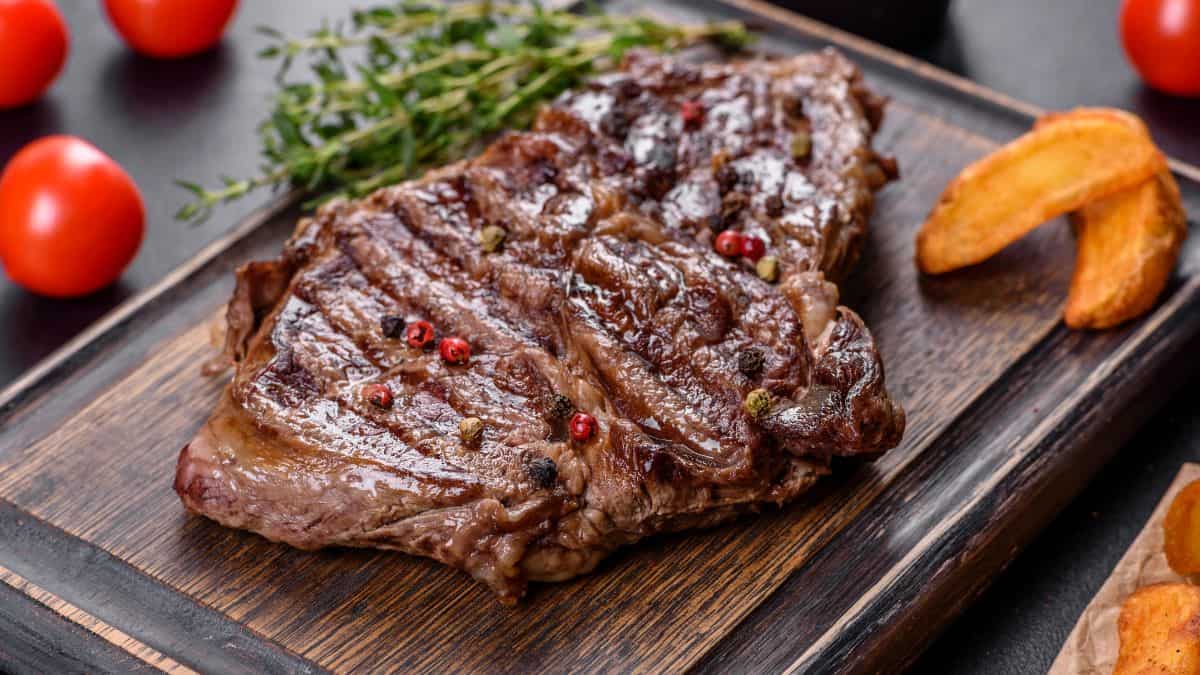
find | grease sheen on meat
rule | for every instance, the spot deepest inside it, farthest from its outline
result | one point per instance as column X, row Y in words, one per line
column 606, row 290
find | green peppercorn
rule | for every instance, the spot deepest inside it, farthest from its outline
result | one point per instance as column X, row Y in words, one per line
column 470, row 429
column 767, row 268
column 491, row 237
column 758, row 402
column 801, row 144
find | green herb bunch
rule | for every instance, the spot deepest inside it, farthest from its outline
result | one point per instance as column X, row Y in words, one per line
column 429, row 83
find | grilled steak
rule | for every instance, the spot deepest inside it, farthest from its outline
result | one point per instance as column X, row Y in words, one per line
column 577, row 262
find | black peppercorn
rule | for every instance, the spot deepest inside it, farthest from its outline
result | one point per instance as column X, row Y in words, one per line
column 758, row 403
column 731, row 207
column 774, row 206
column 543, row 472
column 559, row 407
column 544, row 172
column 794, row 106
column 750, row 362
column 391, row 326
column 616, row 123
column 727, row 178
column 614, row 162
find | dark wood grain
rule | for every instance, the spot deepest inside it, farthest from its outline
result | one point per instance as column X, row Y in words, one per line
column 37, row 640
column 92, row 588
column 1008, row 417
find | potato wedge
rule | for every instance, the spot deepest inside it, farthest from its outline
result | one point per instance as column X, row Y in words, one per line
column 1159, row 631
column 1066, row 161
column 1128, row 244
column 1181, row 531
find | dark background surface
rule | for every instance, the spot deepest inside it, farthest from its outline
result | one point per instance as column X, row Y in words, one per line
column 195, row 119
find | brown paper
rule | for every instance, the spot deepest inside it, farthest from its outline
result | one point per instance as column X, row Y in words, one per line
column 1092, row 645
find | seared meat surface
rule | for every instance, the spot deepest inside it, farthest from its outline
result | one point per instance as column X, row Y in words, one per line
column 605, row 296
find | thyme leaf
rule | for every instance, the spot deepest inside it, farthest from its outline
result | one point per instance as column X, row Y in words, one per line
column 405, row 87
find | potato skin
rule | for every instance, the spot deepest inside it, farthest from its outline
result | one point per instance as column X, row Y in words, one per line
column 1100, row 164
column 1159, row 630
column 1128, row 244
column 1181, row 531
column 1068, row 160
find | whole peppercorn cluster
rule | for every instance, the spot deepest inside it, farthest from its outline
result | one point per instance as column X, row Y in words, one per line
column 420, row 335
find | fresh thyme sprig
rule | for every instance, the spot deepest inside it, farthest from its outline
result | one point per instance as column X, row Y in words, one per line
column 431, row 83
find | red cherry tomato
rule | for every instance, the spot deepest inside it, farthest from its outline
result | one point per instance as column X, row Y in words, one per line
column 33, row 46
column 729, row 243
column 1162, row 39
column 454, row 350
column 70, row 218
column 169, row 29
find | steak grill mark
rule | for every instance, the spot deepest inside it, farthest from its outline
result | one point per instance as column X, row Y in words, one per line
column 604, row 296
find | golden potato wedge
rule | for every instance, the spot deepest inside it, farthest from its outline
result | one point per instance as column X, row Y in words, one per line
column 1181, row 531
column 1128, row 244
column 1066, row 161
column 1159, row 631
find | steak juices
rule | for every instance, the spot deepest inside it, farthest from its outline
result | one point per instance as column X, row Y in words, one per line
column 624, row 378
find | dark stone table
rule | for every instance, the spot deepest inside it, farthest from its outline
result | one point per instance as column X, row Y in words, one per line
column 195, row 119
column 1061, row 54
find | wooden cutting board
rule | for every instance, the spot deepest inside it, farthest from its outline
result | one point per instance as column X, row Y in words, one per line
column 1009, row 416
